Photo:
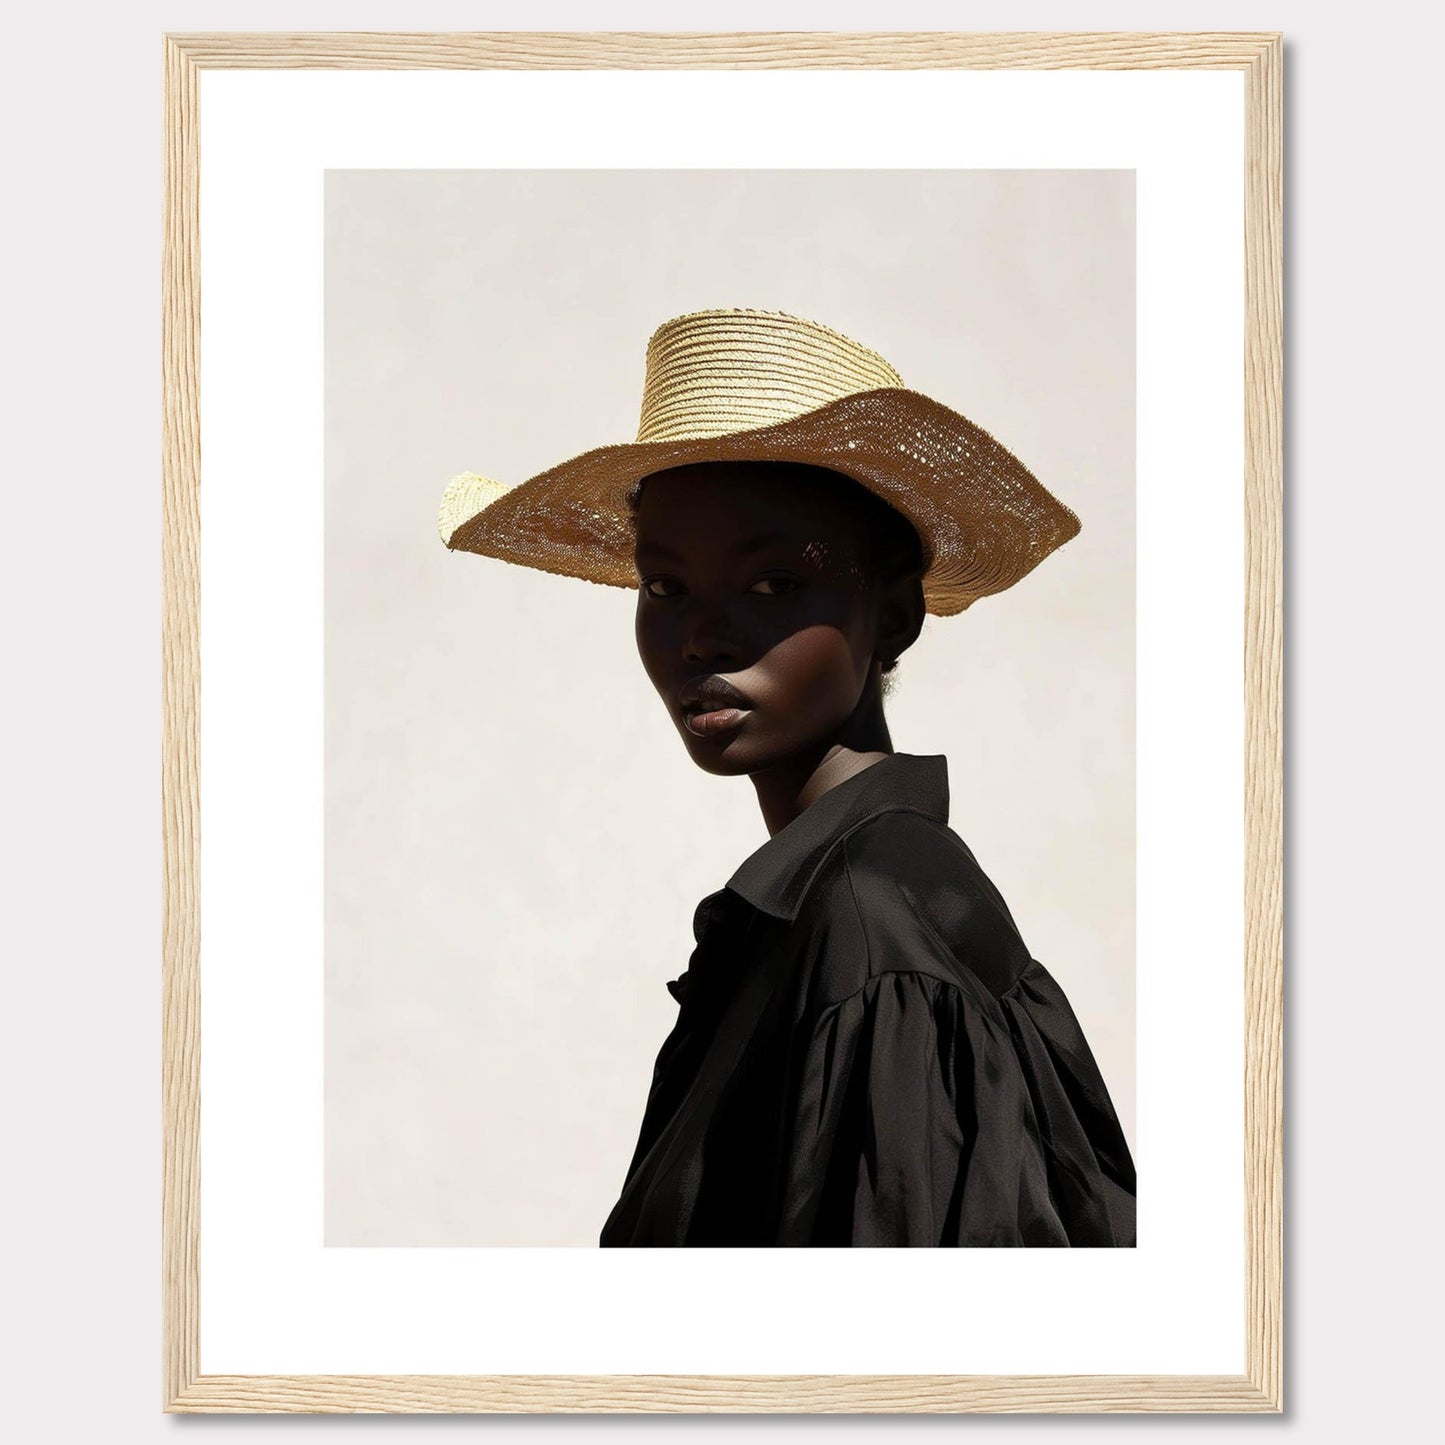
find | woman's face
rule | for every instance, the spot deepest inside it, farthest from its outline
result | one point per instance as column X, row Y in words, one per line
column 759, row 588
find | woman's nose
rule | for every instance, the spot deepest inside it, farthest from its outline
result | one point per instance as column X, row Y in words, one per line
column 708, row 634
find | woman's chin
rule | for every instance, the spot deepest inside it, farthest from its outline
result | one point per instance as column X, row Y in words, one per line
column 726, row 755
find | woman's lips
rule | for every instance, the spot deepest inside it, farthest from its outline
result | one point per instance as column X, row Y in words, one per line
column 721, row 720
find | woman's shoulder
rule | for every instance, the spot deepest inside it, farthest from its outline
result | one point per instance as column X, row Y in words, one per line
column 903, row 892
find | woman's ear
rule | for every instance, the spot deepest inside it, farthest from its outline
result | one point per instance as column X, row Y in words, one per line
column 901, row 610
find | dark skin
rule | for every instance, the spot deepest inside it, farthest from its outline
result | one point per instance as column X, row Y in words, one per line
column 800, row 624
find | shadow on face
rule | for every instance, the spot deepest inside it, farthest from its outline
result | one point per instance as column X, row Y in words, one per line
column 770, row 579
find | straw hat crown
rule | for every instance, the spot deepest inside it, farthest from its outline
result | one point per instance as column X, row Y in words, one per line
column 714, row 372
column 747, row 384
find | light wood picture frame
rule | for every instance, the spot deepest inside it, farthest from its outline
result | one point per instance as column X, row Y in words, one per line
column 1257, row 1386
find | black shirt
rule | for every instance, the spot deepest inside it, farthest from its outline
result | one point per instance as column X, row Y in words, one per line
column 865, row 1052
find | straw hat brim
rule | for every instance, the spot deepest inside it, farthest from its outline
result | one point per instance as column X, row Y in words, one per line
column 985, row 520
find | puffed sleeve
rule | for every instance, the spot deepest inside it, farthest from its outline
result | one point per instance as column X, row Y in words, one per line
column 927, row 1111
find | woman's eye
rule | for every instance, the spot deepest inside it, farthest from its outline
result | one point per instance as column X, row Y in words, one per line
column 772, row 586
column 777, row 585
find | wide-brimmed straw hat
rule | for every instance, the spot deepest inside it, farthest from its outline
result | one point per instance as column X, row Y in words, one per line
column 738, row 384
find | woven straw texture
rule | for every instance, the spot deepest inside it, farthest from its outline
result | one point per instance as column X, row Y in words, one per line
column 741, row 384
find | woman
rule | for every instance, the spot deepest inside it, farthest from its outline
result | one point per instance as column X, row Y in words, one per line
column 865, row 1051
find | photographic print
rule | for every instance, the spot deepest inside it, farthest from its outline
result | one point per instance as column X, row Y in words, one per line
column 774, row 632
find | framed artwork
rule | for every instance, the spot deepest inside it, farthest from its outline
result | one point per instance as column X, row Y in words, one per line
column 722, row 618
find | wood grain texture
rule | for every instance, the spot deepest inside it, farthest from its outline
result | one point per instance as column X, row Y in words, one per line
column 774, row 50
column 1264, row 721
column 181, row 718
column 1259, row 1388
column 724, row 1394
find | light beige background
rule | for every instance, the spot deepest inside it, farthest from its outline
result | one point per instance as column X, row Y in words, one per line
column 515, row 836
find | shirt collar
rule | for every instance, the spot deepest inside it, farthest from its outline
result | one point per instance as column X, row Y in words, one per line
column 775, row 877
